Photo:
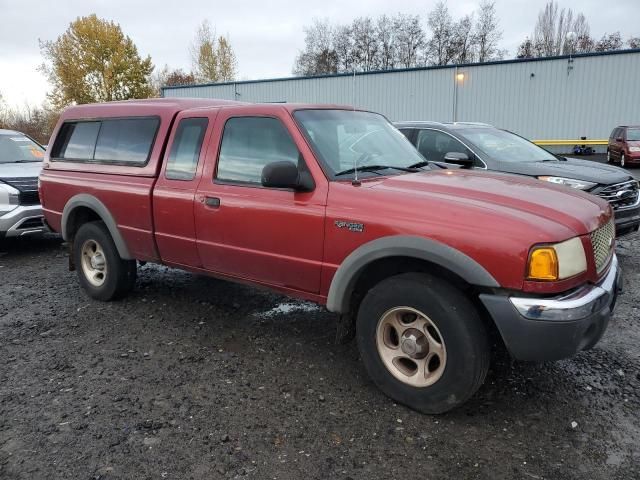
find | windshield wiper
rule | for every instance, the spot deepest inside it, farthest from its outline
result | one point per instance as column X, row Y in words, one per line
column 374, row 168
column 424, row 163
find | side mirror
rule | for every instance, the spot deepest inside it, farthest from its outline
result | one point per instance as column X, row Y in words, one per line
column 285, row 174
column 458, row 158
column 619, row 139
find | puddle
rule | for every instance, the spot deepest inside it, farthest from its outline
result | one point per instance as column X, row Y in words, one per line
column 286, row 308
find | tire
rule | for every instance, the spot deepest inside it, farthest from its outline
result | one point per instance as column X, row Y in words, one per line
column 103, row 275
column 452, row 317
column 622, row 160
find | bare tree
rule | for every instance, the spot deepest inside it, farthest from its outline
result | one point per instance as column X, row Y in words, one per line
column 319, row 56
column 365, row 44
column 526, row 49
column 169, row 77
column 37, row 122
column 386, row 36
column 634, row 42
column 609, row 42
column 487, row 34
column 552, row 28
column 410, row 39
column 441, row 26
column 462, row 43
column 544, row 35
column 583, row 42
column 565, row 25
column 343, row 46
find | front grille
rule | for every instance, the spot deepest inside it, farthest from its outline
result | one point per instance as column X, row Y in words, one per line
column 602, row 240
column 28, row 188
column 29, row 198
column 620, row 195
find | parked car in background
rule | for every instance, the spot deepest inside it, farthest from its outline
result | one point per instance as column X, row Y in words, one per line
column 624, row 145
column 20, row 164
column 484, row 147
column 335, row 206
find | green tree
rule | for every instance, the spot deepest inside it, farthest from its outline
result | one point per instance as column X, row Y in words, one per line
column 93, row 61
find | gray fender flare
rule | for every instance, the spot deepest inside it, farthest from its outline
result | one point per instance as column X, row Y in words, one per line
column 421, row 248
column 91, row 202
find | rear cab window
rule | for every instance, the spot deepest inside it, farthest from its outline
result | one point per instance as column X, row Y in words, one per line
column 185, row 151
column 120, row 141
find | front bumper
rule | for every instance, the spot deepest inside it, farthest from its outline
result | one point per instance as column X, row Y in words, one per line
column 22, row 220
column 541, row 329
column 632, row 157
column 627, row 219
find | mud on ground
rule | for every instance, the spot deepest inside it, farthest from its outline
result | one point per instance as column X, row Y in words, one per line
column 191, row 377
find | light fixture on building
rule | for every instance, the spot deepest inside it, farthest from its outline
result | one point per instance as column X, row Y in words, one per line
column 460, row 77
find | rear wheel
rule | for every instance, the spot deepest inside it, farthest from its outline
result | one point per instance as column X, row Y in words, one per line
column 101, row 271
column 422, row 342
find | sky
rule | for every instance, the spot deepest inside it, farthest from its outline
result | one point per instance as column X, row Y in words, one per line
column 265, row 35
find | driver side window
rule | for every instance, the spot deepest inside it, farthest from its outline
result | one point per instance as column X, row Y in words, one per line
column 434, row 145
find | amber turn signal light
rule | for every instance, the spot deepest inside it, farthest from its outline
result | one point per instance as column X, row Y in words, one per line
column 543, row 264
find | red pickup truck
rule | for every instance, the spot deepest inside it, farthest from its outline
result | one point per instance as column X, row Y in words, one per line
column 334, row 205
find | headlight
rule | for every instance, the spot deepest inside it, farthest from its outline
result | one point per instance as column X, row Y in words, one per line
column 569, row 182
column 9, row 198
column 557, row 262
column 634, row 149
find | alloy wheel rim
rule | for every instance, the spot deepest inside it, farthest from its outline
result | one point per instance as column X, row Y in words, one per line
column 94, row 263
column 411, row 346
column 622, row 160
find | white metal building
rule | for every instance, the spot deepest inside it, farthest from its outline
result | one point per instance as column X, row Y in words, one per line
column 549, row 98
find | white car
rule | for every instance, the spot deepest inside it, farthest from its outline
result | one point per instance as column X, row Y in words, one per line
column 20, row 164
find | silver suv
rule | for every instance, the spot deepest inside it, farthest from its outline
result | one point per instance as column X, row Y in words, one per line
column 20, row 164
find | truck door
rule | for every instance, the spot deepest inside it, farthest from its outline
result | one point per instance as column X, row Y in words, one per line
column 268, row 235
column 176, row 186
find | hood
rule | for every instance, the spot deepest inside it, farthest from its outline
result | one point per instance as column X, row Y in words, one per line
column 500, row 198
column 586, row 170
column 20, row 170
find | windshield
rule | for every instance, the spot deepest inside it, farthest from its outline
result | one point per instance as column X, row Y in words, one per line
column 19, row 148
column 505, row 146
column 633, row 134
column 343, row 139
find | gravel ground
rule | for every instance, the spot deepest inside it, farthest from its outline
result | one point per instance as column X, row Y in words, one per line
column 192, row 377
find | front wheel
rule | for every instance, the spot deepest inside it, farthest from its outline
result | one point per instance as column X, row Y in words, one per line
column 101, row 271
column 422, row 342
column 622, row 160
column 608, row 156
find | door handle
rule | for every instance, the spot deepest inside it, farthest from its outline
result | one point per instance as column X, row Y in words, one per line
column 213, row 202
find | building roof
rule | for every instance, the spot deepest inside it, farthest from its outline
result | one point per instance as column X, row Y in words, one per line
column 412, row 69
